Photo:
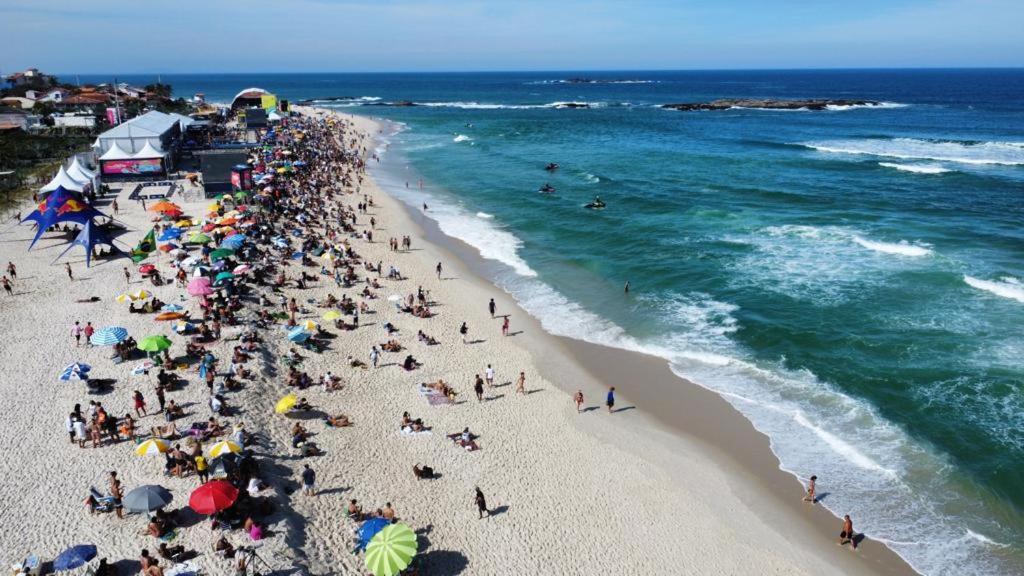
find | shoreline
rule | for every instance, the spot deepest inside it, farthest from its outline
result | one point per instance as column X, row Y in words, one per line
column 670, row 406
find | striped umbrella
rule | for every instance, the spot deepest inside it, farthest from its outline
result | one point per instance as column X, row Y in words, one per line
column 76, row 371
column 152, row 446
column 108, row 336
column 224, row 447
column 391, row 550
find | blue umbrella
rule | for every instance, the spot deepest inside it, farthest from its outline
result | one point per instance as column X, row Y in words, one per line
column 298, row 335
column 298, row 255
column 76, row 371
column 171, row 308
column 74, row 557
column 109, row 336
column 233, row 242
column 170, row 234
column 369, row 529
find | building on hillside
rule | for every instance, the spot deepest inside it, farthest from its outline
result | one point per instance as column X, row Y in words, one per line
column 85, row 100
column 74, row 121
column 14, row 119
column 29, row 76
column 55, row 96
column 18, row 102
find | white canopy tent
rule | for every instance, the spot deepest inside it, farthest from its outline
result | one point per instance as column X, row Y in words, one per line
column 79, row 172
column 148, row 152
column 115, row 152
column 63, row 180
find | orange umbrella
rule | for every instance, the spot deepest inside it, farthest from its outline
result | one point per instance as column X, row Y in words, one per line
column 165, row 206
column 169, row 316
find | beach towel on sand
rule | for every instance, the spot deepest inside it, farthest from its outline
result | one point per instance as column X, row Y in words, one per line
column 438, row 399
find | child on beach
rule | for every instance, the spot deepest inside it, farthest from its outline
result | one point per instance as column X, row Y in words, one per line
column 811, row 496
column 610, row 401
column 521, row 384
column 578, row 398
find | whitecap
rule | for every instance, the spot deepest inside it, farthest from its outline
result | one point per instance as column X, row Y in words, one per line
column 917, row 168
column 976, row 153
column 462, row 138
column 901, row 248
column 484, row 215
column 1007, row 288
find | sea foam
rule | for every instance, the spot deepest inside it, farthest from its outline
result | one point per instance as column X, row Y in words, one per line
column 917, row 168
column 976, row 153
column 1007, row 288
column 901, row 248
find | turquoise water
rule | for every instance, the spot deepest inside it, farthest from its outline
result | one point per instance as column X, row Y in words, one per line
column 851, row 280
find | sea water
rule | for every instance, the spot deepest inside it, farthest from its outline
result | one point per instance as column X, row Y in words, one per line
column 851, row 280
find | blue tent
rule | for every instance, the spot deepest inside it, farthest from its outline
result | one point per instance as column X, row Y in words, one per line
column 61, row 206
column 91, row 235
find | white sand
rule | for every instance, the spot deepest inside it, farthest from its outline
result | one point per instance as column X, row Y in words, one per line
column 578, row 494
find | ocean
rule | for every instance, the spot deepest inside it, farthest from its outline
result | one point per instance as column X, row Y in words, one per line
column 851, row 279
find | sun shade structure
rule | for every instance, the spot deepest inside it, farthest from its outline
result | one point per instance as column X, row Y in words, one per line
column 213, row 497
column 391, row 550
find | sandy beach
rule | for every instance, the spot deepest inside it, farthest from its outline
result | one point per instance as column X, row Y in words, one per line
column 675, row 481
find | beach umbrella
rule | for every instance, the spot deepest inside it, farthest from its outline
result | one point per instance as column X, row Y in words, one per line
column 172, row 308
column 122, row 298
column 75, row 371
column 155, row 343
column 74, row 557
column 241, row 194
column 152, row 446
column 170, row 234
column 198, row 238
column 164, row 316
column 220, row 254
column 199, row 286
column 165, row 206
column 224, row 276
column 242, row 269
column 140, row 294
column 168, row 248
column 331, row 315
column 109, row 336
column 146, row 268
column 285, row 404
column 213, row 497
column 147, row 498
column 233, row 242
column 227, row 221
column 310, row 326
column 369, row 529
column 183, row 223
column 391, row 550
column 223, row 447
column 298, row 335
column 328, row 257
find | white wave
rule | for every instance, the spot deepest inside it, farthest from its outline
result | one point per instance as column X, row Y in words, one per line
column 484, row 215
column 917, row 168
column 462, row 138
column 977, row 153
column 592, row 178
column 1007, row 288
column 880, row 105
column 491, row 106
column 901, row 248
column 845, row 449
column 763, row 109
column 984, row 539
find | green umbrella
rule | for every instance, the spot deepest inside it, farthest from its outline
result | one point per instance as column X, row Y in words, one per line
column 199, row 238
column 391, row 550
column 156, row 343
column 224, row 276
column 220, row 254
column 241, row 194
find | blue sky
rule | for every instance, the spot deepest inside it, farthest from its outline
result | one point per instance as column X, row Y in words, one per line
column 125, row 36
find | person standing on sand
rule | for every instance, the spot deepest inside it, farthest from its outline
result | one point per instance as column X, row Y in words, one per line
column 610, row 401
column 127, row 276
column 811, row 494
column 374, row 356
column 578, row 398
column 7, row 286
column 481, row 503
column 114, row 206
column 116, row 492
column 464, row 330
column 76, row 331
column 140, row 404
column 67, row 268
column 12, row 271
column 489, row 376
column 438, row 264
column 88, row 331
column 521, row 384
column 308, row 480
column 492, row 307
column 478, row 387
column 847, row 535
column 202, row 469
column 504, row 327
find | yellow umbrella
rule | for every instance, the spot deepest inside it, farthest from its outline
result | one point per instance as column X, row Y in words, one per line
column 140, row 294
column 152, row 446
column 310, row 325
column 223, row 447
column 184, row 223
column 329, row 257
column 285, row 404
column 331, row 315
column 122, row 298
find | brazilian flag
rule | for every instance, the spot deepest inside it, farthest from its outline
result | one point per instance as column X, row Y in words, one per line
column 144, row 247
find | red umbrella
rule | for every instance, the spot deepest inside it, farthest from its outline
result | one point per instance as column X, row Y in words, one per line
column 146, row 268
column 213, row 497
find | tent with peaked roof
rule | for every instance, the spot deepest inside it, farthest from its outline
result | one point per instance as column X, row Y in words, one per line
column 52, row 201
column 63, row 180
column 60, row 206
column 78, row 171
column 91, row 235
column 115, row 152
column 148, row 152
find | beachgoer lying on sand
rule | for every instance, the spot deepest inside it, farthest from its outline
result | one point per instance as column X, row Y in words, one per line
column 339, row 421
column 391, row 346
column 422, row 337
column 355, row 363
column 390, row 328
column 411, row 424
column 302, row 404
column 441, row 387
column 169, row 430
column 422, row 472
column 465, row 439
column 172, row 553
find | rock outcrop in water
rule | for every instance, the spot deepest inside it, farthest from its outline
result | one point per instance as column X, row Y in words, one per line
column 728, row 103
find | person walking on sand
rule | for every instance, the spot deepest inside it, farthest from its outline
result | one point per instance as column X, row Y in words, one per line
column 116, row 493
column 202, row 468
column 478, row 387
column 374, row 356
column 610, row 401
column 504, row 327
column 481, row 503
column 7, row 286
column 489, row 376
column 811, row 494
column 88, row 331
column 578, row 399
column 438, row 264
column 12, row 271
column 67, row 268
column 847, row 535
column 127, row 276
column 140, row 404
column 464, row 330
column 521, row 384
column 492, row 307
column 76, row 332
column 308, row 481
column 114, row 206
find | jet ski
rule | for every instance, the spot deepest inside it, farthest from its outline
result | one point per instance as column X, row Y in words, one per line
column 546, row 189
column 551, row 167
column 597, row 204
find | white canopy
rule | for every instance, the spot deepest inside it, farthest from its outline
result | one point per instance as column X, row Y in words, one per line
column 148, row 151
column 63, row 180
column 80, row 172
column 115, row 153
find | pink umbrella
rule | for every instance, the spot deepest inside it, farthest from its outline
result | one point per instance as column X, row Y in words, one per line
column 200, row 287
column 242, row 269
